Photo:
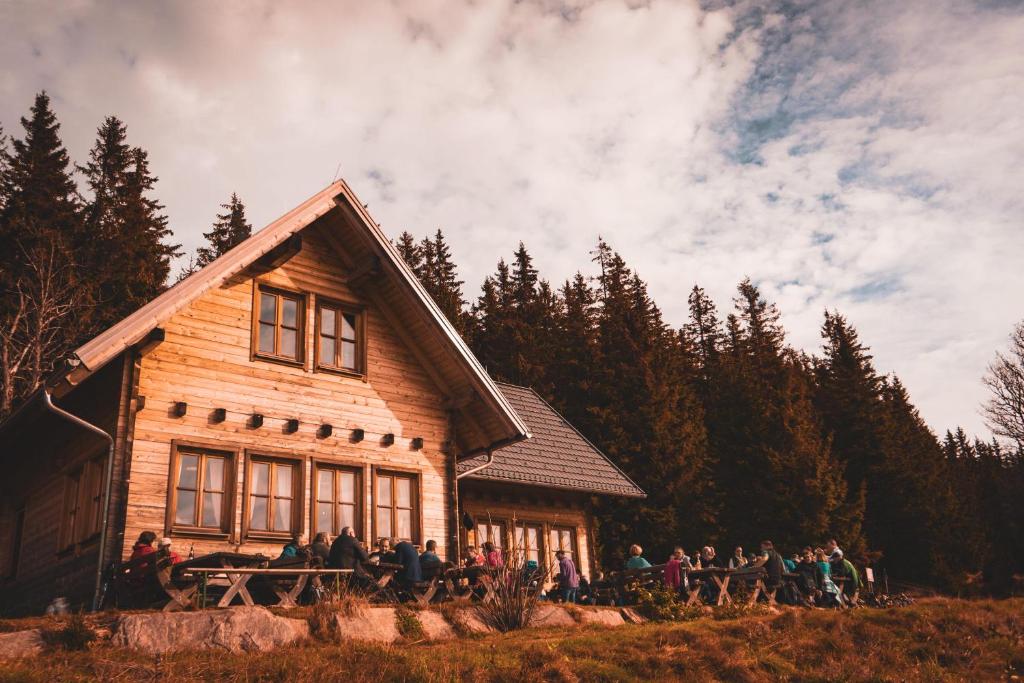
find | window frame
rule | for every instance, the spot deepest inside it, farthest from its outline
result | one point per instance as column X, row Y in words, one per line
column 574, row 543
column 302, row 300
column 253, row 456
column 415, row 491
column 227, row 525
column 359, row 470
column 541, row 541
column 340, row 308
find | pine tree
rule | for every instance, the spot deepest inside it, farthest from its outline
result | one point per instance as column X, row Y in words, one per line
column 410, row 252
column 230, row 229
column 44, row 300
column 127, row 255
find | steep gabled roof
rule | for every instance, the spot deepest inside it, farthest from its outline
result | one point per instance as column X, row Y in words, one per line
column 556, row 456
column 485, row 418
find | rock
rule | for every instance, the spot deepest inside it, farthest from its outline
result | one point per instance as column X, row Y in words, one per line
column 376, row 624
column 237, row 629
column 631, row 616
column 21, row 644
column 549, row 615
column 434, row 625
column 602, row 617
column 470, row 622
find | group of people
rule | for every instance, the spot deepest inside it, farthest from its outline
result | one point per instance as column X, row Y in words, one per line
column 812, row 573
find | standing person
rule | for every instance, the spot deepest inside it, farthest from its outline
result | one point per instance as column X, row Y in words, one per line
column 492, row 556
column 830, row 596
column 348, row 553
column 674, row 571
column 772, row 563
column 833, row 550
column 405, row 553
column 737, row 561
column 636, row 558
column 321, row 547
column 568, row 579
column 165, row 546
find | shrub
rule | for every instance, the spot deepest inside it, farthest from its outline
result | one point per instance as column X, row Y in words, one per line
column 660, row 603
column 735, row 610
column 74, row 634
column 408, row 625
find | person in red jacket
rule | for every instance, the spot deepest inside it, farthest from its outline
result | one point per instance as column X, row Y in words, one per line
column 165, row 546
column 142, row 548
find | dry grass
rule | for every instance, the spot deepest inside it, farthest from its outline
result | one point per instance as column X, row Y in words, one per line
column 935, row 640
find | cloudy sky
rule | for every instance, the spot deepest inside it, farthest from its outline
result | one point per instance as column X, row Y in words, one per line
column 858, row 155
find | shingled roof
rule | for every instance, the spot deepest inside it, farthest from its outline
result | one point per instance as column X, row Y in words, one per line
column 557, row 456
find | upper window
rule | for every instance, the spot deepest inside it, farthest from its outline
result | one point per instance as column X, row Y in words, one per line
column 200, row 490
column 338, row 500
column 279, row 328
column 488, row 530
column 273, row 492
column 339, row 343
column 397, row 506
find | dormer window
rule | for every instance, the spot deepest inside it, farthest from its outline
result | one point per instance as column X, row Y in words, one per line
column 279, row 326
column 340, row 338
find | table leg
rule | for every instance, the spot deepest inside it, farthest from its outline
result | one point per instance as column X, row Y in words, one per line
column 723, row 589
column 758, row 587
column 289, row 598
column 237, row 588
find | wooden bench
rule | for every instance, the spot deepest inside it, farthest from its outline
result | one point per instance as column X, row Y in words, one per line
column 146, row 582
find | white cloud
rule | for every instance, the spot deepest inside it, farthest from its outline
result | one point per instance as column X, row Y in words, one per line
column 889, row 140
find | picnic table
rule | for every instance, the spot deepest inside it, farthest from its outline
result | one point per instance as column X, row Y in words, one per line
column 286, row 583
column 382, row 575
column 723, row 578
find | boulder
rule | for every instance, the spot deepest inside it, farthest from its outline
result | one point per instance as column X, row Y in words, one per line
column 434, row 625
column 601, row 617
column 376, row 624
column 469, row 621
column 236, row 629
column 631, row 616
column 21, row 644
column 550, row 615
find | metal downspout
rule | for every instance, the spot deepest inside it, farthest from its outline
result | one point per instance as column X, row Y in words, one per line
column 490, row 461
column 108, row 478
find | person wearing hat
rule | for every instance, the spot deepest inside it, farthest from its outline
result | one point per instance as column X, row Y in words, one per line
column 164, row 546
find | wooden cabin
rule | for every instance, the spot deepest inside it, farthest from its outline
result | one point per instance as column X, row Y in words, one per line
column 302, row 382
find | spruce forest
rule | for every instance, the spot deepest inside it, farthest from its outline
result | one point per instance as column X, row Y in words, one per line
column 735, row 435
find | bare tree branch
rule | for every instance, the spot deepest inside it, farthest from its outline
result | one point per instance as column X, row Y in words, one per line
column 1004, row 411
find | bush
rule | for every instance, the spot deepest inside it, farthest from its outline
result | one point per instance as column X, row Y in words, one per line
column 75, row 634
column 408, row 625
column 735, row 610
column 660, row 603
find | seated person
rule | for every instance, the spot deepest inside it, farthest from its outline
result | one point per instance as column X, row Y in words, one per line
column 810, row 577
column 165, row 546
column 321, row 548
column 142, row 548
column 585, row 595
column 673, row 573
column 406, row 555
column 531, row 572
column 473, row 558
column 790, row 562
column 295, row 548
column 737, row 561
column 636, row 558
column 772, row 563
column 383, row 551
column 843, row 568
column 348, row 553
column 429, row 557
column 492, row 555
column 708, row 558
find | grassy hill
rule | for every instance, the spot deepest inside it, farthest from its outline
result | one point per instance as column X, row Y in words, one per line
column 934, row 640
